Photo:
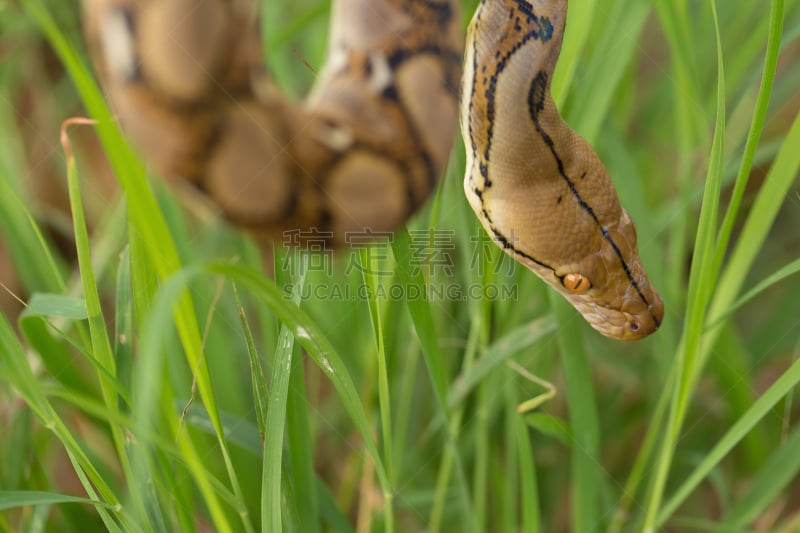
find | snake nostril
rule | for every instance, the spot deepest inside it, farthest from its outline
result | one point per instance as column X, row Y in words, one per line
column 634, row 327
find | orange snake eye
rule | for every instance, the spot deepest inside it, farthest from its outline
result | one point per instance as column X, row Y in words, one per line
column 576, row 283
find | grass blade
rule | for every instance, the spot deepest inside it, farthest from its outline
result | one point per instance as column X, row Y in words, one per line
column 585, row 451
column 784, row 384
column 781, row 469
column 701, row 283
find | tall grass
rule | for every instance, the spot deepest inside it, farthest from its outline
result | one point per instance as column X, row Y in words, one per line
column 159, row 380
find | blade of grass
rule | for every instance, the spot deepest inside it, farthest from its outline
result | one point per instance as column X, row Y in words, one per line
column 123, row 324
column 511, row 481
column 277, row 32
column 17, row 372
column 529, row 492
column 780, row 469
column 420, row 311
column 766, row 205
column 38, row 268
column 33, row 324
column 314, row 341
column 759, row 221
column 591, row 99
column 257, row 376
column 580, row 19
column 422, row 318
column 151, row 407
column 300, row 449
column 152, row 247
column 100, row 342
column 756, row 128
column 585, row 451
column 271, row 489
column 10, row 499
column 369, row 269
column 778, row 390
column 479, row 435
column 701, row 283
column 497, row 354
column 766, row 283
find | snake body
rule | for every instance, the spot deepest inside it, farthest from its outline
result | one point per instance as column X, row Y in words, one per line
column 362, row 152
column 537, row 187
column 365, row 149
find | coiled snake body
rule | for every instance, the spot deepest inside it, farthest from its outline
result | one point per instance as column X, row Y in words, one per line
column 363, row 151
column 368, row 145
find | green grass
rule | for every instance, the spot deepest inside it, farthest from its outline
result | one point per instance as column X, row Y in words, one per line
column 158, row 380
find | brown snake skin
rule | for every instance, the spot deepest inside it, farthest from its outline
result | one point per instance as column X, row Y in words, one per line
column 364, row 150
column 536, row 186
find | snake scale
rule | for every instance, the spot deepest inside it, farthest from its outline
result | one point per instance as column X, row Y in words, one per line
column 367, row 146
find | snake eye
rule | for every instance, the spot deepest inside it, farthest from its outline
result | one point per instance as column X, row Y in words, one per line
column 576, row 283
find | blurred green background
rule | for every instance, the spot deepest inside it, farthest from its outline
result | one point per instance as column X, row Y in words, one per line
column 231, row 409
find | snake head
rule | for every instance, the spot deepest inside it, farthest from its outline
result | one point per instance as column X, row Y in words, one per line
column 609, row 285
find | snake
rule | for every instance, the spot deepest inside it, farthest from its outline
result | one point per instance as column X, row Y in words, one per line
column 367, row 146
column 362, row 151
column 537, row 187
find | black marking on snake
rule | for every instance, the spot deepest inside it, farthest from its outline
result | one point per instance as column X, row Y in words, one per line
column 527, row 9
column 427, row 159
column 442, row 11
column 451, row 61
column 212, row 141
column 325, row 219
column 293, row 203
column 536, row 100
column 390, row 93
column 537, row 28
column 200, row 186
column 507, row 245
column 483, row 166
column 392, row 96
column 502, row 63
column 473, row 89
column 484, row 170
column 399, row 55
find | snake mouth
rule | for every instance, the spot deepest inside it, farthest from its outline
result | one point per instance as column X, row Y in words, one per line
column 622, row 325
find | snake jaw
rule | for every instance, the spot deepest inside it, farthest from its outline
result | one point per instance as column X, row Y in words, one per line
column 619, row 324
